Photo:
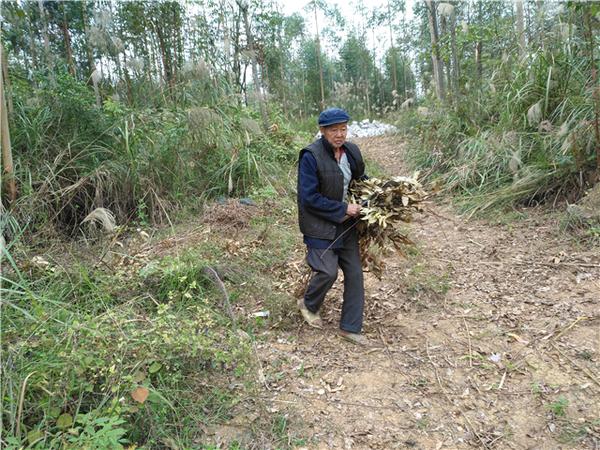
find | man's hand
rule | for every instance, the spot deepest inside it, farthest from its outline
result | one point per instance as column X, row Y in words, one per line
column 353, row 210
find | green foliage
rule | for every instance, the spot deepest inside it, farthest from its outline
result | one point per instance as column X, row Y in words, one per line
column 81, row 342
column 559, row 407
column 141, row 164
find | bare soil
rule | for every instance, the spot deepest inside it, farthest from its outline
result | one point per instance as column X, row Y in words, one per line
column 489, row 337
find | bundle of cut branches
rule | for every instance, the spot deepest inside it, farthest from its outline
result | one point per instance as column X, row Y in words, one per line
column 386, row 204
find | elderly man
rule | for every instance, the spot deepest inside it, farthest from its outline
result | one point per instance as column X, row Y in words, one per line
column 327, row 221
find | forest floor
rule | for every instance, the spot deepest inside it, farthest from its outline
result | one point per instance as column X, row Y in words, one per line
column 489, row 335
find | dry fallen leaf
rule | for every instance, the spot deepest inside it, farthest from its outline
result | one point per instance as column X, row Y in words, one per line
column 140, row 394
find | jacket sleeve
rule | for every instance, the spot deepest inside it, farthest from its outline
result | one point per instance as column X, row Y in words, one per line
column 309, row 195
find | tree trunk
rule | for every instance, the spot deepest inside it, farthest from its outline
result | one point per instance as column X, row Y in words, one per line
column 375, row 78
column 319, row 59
column 175, row 44
column 393, row 51
column 446, row 69
column 282, row 75
column 255, row 75
column 455, row 63
column 540, row 22
column 435, row 53
column 478, row 50
column 8, row 91
column 166, row 63
column 34, row 59
column 127, row 80
column 7, row 161
column 589, row 34
column 367, row 95
column 520, row 27
column 47, row 54
column 404, row 94
column 237, row 65
column 89, row 51
column 67, row 41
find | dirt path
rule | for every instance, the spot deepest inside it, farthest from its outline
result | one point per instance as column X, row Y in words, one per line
column 491, row 340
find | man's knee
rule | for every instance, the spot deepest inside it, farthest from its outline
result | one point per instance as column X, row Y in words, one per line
column 330, row 275
column 354, row 272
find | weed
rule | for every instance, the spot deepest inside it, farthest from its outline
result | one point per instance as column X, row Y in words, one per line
column 559, row 407
column 579, row 433
column 537, row 389
column 503, row 162
column 422, row 281
column 279, row 427
column 84, row 351
column 422, row 423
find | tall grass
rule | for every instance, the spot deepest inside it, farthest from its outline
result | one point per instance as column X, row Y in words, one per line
column 527, row 140
column 143, row 165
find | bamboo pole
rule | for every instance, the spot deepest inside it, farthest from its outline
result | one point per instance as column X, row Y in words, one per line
column 7, row 161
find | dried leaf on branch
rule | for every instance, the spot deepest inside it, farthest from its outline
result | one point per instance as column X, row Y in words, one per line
column 385, row 205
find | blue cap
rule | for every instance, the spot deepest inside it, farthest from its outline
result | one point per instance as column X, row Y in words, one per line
column 332, row 116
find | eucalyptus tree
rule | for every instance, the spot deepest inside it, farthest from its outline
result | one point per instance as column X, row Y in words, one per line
column 278, row 37
column 438, row 69
column 357, row 67
column 7, row 159
column 252, row 51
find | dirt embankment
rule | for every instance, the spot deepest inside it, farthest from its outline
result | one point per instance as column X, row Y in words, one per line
column 490, row 339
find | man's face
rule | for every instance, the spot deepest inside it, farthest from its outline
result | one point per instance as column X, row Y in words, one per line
column 335, row 134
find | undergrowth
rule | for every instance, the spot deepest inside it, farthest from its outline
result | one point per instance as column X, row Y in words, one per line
column 144, row 165
column 145, row 353
column 77, row 344
column 524, row 137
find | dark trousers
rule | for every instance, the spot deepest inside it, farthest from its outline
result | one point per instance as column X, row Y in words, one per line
column 324, row 264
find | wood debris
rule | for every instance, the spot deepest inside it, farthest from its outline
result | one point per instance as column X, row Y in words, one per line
column 386, row 204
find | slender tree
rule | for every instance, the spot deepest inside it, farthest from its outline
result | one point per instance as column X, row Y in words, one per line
column 255, row 74
column 435, row 51
column 7, row 160
column 520, row 24
column 318, row 49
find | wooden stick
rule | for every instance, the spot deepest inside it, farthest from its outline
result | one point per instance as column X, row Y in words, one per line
column 575, row 322
column 470, row 347
column 584, row 369
column 215, row 277
column 502, row 380
column 21, row 401
column 449, row 400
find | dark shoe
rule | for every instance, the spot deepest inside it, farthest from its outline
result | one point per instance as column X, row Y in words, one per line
column 311, row 318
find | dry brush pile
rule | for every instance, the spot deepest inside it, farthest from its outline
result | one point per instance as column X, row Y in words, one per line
column 386, row 205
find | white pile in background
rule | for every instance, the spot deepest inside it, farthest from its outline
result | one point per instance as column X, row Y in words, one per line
column 366, row 128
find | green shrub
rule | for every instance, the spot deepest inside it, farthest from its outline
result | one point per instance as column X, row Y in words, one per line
column 78, row 344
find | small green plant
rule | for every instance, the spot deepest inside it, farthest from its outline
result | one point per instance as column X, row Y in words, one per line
column 279, row 427
column 536, row 389
column 142, row 213
column 97, row 433
column 559, row 407
column 422, row 423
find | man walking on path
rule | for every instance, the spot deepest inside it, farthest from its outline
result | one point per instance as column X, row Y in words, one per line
column 327, row 221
